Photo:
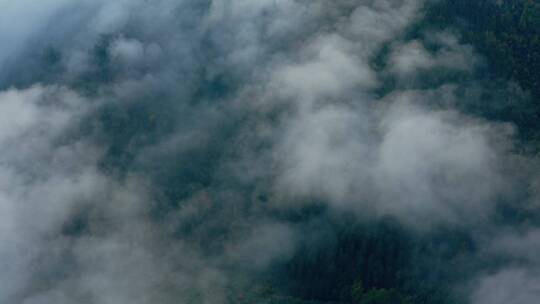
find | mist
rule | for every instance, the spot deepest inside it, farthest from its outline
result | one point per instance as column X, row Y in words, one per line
column 210, row 151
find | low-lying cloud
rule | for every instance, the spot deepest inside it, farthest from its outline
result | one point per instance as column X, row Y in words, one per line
column 148, row 152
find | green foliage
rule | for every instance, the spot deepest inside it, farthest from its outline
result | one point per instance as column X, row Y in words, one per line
column 357, row 291
column 507, row 34
column 384, row 296
column 377, row 295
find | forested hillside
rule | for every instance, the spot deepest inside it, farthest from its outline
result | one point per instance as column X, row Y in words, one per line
column 507, row 33
column 383, row 262
column 270, row 151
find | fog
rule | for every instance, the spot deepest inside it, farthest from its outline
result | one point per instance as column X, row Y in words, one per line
column 151, row 152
